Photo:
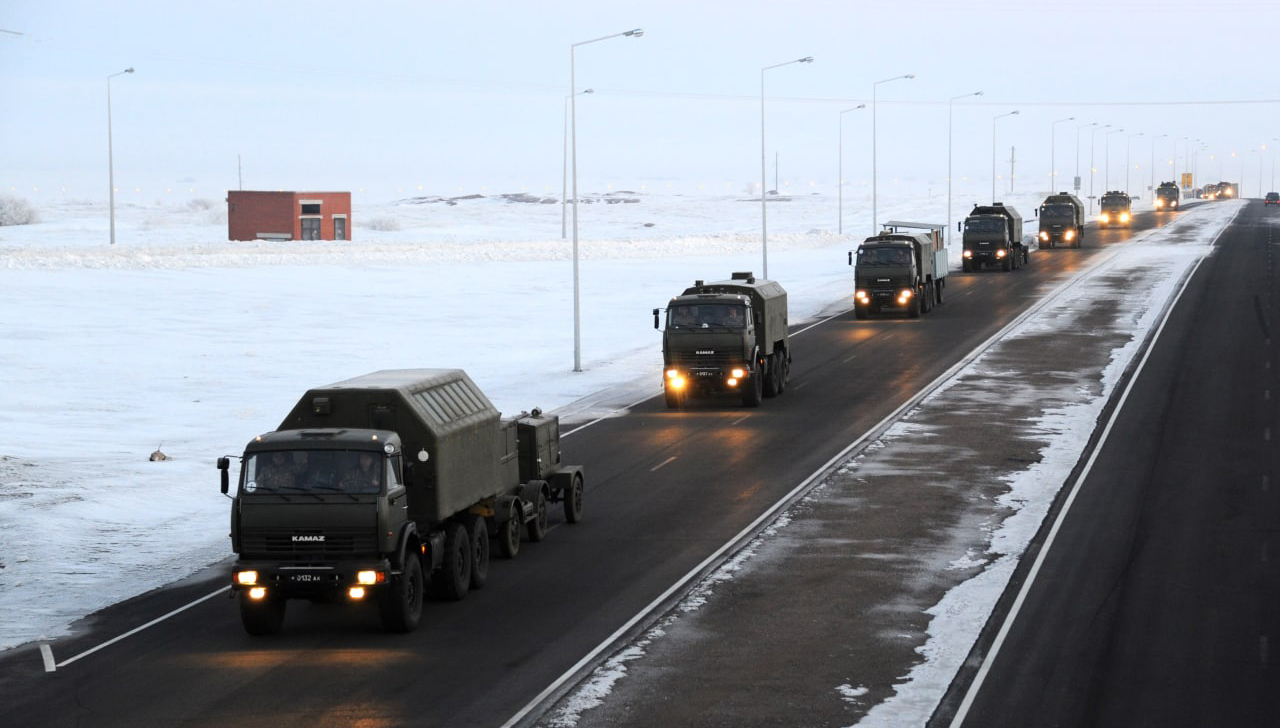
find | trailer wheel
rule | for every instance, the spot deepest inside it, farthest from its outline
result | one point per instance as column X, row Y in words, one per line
column 538, row 524
column 784, row 369
column 400, row 604
column 573, row 500
column 261, row 617
column 509, row 533
column 478, row 532
column 454, row 577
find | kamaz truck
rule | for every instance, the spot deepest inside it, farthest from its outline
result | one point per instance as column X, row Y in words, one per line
column 1061, row 221
column 898, row 271
column 1116, row 209
column 1168, row 197
column 726, row 337
column 993, row 237
column 1228, row 190
column 373, row 488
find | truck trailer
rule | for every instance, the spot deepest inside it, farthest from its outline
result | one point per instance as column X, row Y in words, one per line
column 374, row 487
column 993, row 236
column 1061, row 221
column 726, row 337
column 900, row 271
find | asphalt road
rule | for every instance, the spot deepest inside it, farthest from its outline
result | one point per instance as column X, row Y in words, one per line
column 665, row 490
column 1156, row 603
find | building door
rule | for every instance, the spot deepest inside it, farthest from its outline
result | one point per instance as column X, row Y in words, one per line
column 339, row 228
column 310, row 228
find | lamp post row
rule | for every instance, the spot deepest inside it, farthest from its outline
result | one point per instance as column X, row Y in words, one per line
column 111, row 172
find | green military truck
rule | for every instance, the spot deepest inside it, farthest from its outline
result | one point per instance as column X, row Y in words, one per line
column 375, row 486
column 726, row 337
column 1167, row 197
column 993, row 237
column 898, row 271
column 1117, row 209
column 1061, row 221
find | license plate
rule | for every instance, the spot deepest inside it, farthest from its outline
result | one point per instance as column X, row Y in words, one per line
column 704, row 374
column 306, row 578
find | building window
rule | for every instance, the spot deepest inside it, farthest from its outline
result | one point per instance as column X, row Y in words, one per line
column 310, row 228
column 311, row 208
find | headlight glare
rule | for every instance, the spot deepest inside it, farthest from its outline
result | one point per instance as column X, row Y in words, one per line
column 246, row 578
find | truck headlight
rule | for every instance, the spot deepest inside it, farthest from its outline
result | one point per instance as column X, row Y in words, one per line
column 1104, row 217
column 1044, row 235
column 904, row 295
column 356, row 592
column 737, row 373
column 1000, row 253
column 370, row 577
column 862, row 296
column 247, row 577
column 968, row 254
column 1124, row 217
column 1159, row 203
column 1069, row 235
column 258, row 593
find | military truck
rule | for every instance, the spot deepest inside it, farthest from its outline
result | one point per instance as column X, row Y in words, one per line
column 1209, row 192
column 993, row 236
column 373, row 487
column 726, row 337
column 1061, row 221
column 1228, row 190
column 1168, row 196
column 899, row 271
column 1116, row 209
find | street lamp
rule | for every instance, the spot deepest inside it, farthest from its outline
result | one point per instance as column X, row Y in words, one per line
column 1053, row 140
column 1106, row 164
column 993, row 152
column 573, row 134
column 874, row 219
column 564, row 176
column 111, row 173
column 951, row 101
column 1093, row 142
column 1078, row 130
column 764, row 222
column 1128, row 145
column 840, row 173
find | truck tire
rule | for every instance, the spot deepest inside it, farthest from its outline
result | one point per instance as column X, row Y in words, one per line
column 754, row 391
column 537, row 526
column 453, row 579
column 478, row 533
column 939, row 285
column 965, row 266
column 859, row 313
column 261, row 617
column 913, row 309
column 771, row 381
column 400, row 604
column 1007, row 264
column 784, row 369
column 573, row 500
column 674, row 400
column 509, row 533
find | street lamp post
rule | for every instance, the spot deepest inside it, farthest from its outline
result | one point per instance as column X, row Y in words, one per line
column 1273, row 165
column 840, row 172
column 993, row 152
column 1153, row 165
column 1093, row 142
column 1078, row 130
column 875, row 220
column 1106, row 164
column 573, row 135
column 950, row 102
column 1053, row 141
column 764, row 217
column 111, row 172
column 564, row 176
column 1128, row 145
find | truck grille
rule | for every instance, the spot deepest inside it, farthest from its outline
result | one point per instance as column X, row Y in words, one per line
column 281, row 543
column 690, row 359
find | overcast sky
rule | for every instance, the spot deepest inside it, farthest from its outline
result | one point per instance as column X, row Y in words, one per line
column 447, row 97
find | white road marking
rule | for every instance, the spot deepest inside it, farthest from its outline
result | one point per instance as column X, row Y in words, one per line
column 740, row 420
column 46, row 652
column 664, row 462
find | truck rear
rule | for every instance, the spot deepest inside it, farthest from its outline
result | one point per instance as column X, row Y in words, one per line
column 1061, row 221
column 993, row 237
column 726, row 337
column 374, row 487
column 901, row 272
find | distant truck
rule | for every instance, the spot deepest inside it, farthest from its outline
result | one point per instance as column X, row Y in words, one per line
column 1117, row 209
column 900, row 271
column 726, row 337
column 1228, row 190
column 373, row 487
column 1168, row 196
column 1061, row 221
column 993, row 236
column 1209, row 192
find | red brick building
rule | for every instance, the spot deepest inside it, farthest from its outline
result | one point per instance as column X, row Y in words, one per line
column 288, row 215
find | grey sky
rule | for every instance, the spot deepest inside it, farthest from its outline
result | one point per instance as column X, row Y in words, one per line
column 442, row 97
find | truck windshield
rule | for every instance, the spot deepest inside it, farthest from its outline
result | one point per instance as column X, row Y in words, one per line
column 896, row 257
column 1057, row 210
column 984, row 225
column 707, row 315
column 315, row 471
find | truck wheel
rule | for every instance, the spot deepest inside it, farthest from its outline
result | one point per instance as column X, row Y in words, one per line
column 261, row 617
column 913, row 310
column 965, row 266
column 771, row 382
column 784, row 370
column 509, row 533
column 478, row 532
column 573, row 500
column 674, row 400
column 859, row 313
column 400, row 604
column 754, row 391
column 537, row 526
column 1007, row 264
column 454, row 577
column 938, row 286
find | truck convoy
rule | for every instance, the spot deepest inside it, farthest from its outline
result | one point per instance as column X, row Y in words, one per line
column 900, row 271
column 1167, row 196
column 1061, row 221
column 1116, row 209
column 373, row 487
column 993, row 236
column 727, row 337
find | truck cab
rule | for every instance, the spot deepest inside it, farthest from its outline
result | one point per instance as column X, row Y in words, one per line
column 1167, row 197
column 993, row 237
column 1116, row 209
column 1061, row 221
column 899, row 272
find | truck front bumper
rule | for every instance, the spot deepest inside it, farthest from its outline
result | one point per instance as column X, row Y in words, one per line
column 350, row 579
column 681, row 380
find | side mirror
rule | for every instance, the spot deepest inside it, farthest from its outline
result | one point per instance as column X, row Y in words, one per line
column 655, row 318
column 224, row 464
column 850, row 257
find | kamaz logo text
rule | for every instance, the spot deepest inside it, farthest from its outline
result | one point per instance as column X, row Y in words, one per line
column 705, row 351
column 301, row 539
